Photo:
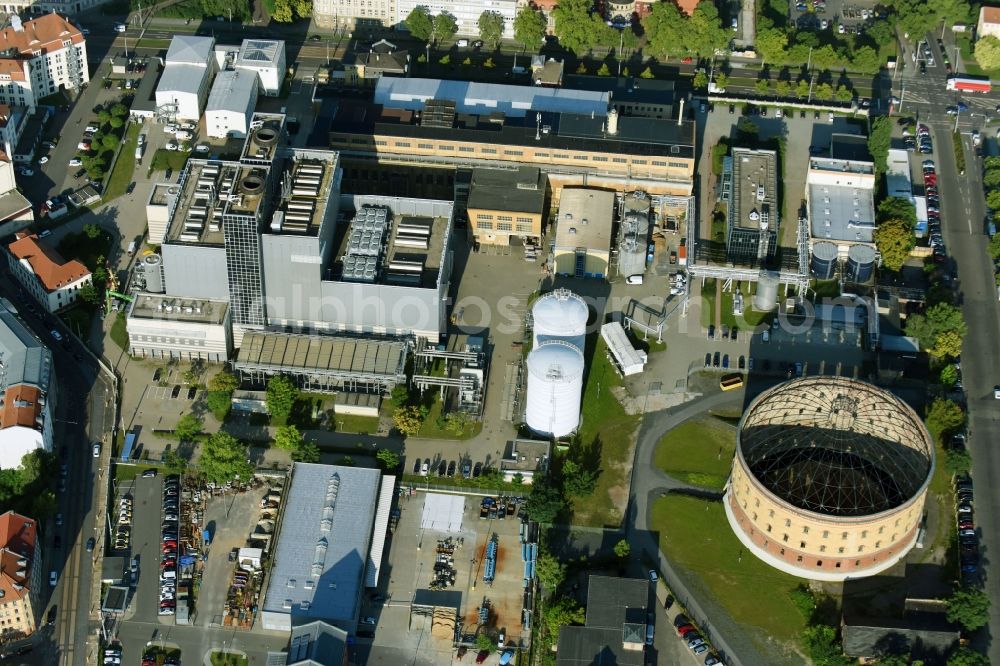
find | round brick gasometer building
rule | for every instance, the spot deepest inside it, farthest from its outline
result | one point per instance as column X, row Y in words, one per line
column 829, row 478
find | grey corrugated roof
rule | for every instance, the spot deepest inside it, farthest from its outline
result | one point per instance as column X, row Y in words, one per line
column 612, row 602
column 190, row 50
column 589, row 646
column 317, row 643
column 181, row 78
column 232, row 91
column 23, row 357
column 322, row 547
column 925, row 634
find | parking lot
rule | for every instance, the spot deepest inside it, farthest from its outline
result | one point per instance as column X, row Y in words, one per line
column 146, row 540
column 413, row 554
column 841, row 16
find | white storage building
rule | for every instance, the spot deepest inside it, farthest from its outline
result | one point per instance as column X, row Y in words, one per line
column 266, row 59
column 187, row 75
column 230, row 104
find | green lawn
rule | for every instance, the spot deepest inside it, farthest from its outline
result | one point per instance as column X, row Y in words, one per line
column 750, row 317
column 119, row 332
column 708, row 302
column 698, row 452
column 609, row 432
column 228, row 659
column 164, row 159
column 695, row 535
column 364, row 425
column 125, row 166
column 430, row 428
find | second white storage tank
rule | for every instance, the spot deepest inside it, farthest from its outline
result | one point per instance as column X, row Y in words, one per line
column 555, row 387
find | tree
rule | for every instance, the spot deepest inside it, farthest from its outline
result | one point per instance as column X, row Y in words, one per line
column 115, row 123
column 307, row 453
column 491, row 27
column 407, row 420
column 966, row 656
column 821, row 645
column 577, row 480
column 529, row 28
column 705, row 34
column 622, row 549
column 545, row 502
column 844, row 94
column 388, row 459
column 92, row 231
column 420, row 23
column 219, row 403
column 445, row 26
column 88, row 294
column 581, row 69
column 188, row 428
column 648, row 73
column 721, row 81
column 283, row 12
column 993, row 200
column 550, row 571
column 444, row 60
column 939, row 330
column 700, row 81
column 303, row 8
column 991, row 178
column 823, row 91
column 224, row 458
column 865, row 58
column 879, row 137
column 174, row 462
column 771, row 44
column 970, row 607
column 560, row 613
column 603, row 70
column 896, row 207
column 288, row 438
column 281, row 397
column 224, row 381
column 467, row 62
column 894, row 239
column 824, row 57
column 783, row 88
column 957, row 460
column 943, row 417
column 665, row 27
column 948, row 375
column 987, row 52
column 802, row 89
column 488, row 63
column 486, row 643
column 579, row 30
column 762, row 86
column 103, row 116
column 456, row 422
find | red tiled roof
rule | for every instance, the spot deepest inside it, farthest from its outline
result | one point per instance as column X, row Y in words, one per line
column 21, row 406
column 989, row 15
column 52, row 270
column 687, row 6
column 45, row 33
column 17, row 541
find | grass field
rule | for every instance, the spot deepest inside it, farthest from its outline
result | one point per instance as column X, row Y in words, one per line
column 698, row 452
column 124, row 166
column 609, row 432
column 695, row 535
column 119, row 331
column 364, row 425
column 430, row 428
column 750, row 317
column 228, row 659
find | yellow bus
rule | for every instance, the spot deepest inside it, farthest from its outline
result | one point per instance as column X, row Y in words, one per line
column 731, row 382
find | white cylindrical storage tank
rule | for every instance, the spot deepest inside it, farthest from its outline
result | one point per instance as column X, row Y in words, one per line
column 824, row 260
column 766, row 298
column 555, row 386
column 152, row 270
column 560, row 315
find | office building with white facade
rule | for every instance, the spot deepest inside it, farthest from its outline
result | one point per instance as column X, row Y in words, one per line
column 39, row 58
column 466, row 13
column 353, row 13
column 187, row 76
column 51, row 280
column 231, row 104
column 27, row 391
column 167, row 327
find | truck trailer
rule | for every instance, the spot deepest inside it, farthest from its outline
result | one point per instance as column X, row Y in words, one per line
column 969, row 84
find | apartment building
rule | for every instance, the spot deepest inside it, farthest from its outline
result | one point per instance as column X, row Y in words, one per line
column 353, row 13
column 21, row 577
column 51, row 280
column 41, row 56
column 466, row 13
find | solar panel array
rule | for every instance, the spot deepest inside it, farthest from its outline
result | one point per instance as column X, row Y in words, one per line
column 366, row 241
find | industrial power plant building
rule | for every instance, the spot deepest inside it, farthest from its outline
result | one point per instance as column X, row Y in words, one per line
column 187, row 75
column 267, row 246
column 753, row 206
column 840, row 201
column 829, row 478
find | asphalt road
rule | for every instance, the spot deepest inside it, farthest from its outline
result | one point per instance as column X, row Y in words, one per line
column 962, row 213
column 83, row 414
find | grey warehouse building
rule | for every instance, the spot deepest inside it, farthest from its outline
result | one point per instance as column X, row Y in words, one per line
column 324, row 545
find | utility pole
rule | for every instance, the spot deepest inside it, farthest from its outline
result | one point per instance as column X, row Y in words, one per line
column 621, row 44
